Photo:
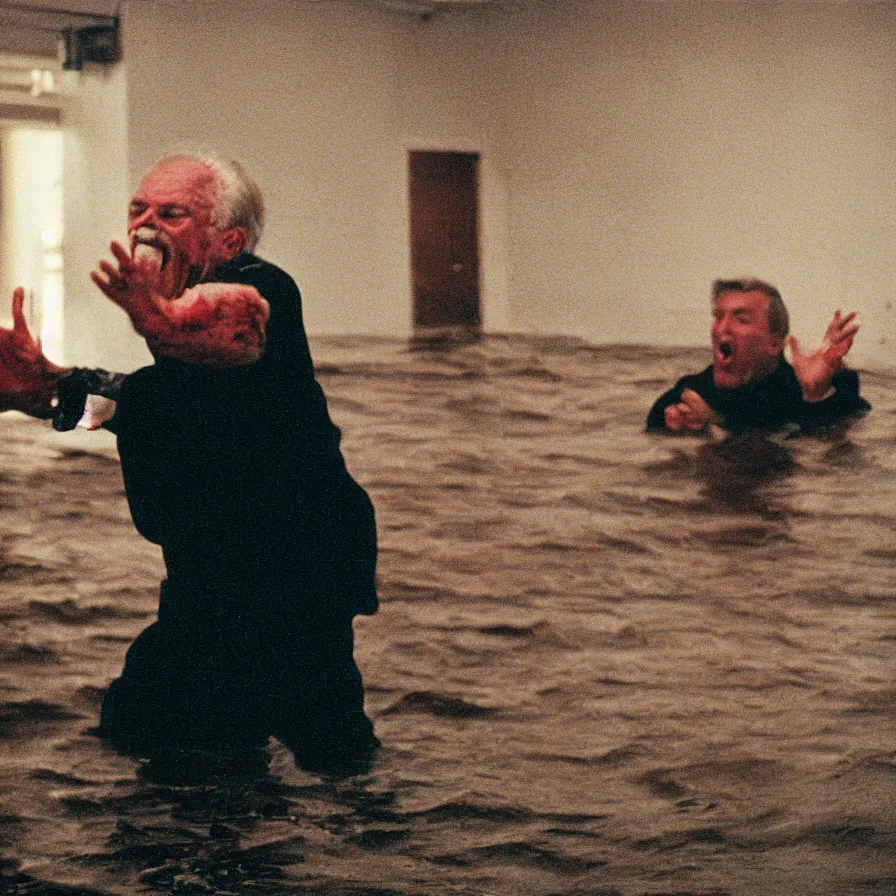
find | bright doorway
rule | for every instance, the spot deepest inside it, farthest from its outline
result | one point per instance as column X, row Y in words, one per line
column 31, row 227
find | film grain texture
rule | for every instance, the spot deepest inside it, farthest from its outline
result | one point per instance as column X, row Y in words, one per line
column 607, row 663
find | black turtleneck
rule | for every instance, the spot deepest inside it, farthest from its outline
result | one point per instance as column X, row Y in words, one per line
column 774, row 403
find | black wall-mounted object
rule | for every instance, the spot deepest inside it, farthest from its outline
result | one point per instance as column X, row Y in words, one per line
column 77, row 35
column 91, row 43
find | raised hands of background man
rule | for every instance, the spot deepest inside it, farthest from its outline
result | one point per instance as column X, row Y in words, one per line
column 27, row 377
column 815, row 371
column 691, row 414
column 218, row 324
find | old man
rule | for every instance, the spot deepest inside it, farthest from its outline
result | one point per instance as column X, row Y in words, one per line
column 232, row 464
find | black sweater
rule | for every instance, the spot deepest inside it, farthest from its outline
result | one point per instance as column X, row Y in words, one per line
column 237, row 473
column 772, row 404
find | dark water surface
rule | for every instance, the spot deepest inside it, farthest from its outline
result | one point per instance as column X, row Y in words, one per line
column 606, row 663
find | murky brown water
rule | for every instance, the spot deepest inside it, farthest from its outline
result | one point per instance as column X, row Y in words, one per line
column 607, row 663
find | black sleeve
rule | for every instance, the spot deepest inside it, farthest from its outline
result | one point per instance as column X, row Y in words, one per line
column 72, row 391
column 845, row 402
column 286, row 344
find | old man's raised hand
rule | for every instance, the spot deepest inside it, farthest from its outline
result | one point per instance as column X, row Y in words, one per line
column 27, row 377
column 219, row 324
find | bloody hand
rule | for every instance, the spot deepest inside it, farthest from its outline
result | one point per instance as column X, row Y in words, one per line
column 219, row 324
column 27, row 377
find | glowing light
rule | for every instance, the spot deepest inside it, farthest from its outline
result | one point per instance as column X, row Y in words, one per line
column 42, row 82
column 31, row 237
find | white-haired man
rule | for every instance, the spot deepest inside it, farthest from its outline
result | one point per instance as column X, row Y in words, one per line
column 232, row 464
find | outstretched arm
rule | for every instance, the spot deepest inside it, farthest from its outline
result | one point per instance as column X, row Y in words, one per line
column 27, row 377
column 815, row 371
column 220, row 324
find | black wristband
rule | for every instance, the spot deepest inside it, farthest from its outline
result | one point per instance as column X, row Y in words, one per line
column 72, row 391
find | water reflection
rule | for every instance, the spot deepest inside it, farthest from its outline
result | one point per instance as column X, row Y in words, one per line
column 606, row 663
column 744, row 472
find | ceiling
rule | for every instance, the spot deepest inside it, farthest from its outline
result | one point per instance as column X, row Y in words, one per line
column 433, row 7
column 108, row 8
column 33, row 27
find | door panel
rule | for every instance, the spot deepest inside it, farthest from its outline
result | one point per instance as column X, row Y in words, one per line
column 444, row 239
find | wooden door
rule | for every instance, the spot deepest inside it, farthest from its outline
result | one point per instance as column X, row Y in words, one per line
column 444, row 240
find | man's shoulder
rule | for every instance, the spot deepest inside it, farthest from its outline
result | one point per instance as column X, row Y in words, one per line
column 846, row 376
column 250, row 269
column 247, row 261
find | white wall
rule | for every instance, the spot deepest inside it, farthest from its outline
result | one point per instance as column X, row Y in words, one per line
column 305, row 95
column 631, row 152
column 657, row 146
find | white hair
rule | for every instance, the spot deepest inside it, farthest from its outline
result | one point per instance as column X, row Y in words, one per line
column 237, row 202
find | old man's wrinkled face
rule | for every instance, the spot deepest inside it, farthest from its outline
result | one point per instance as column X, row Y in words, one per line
column 744, row 351
column 170, row 225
